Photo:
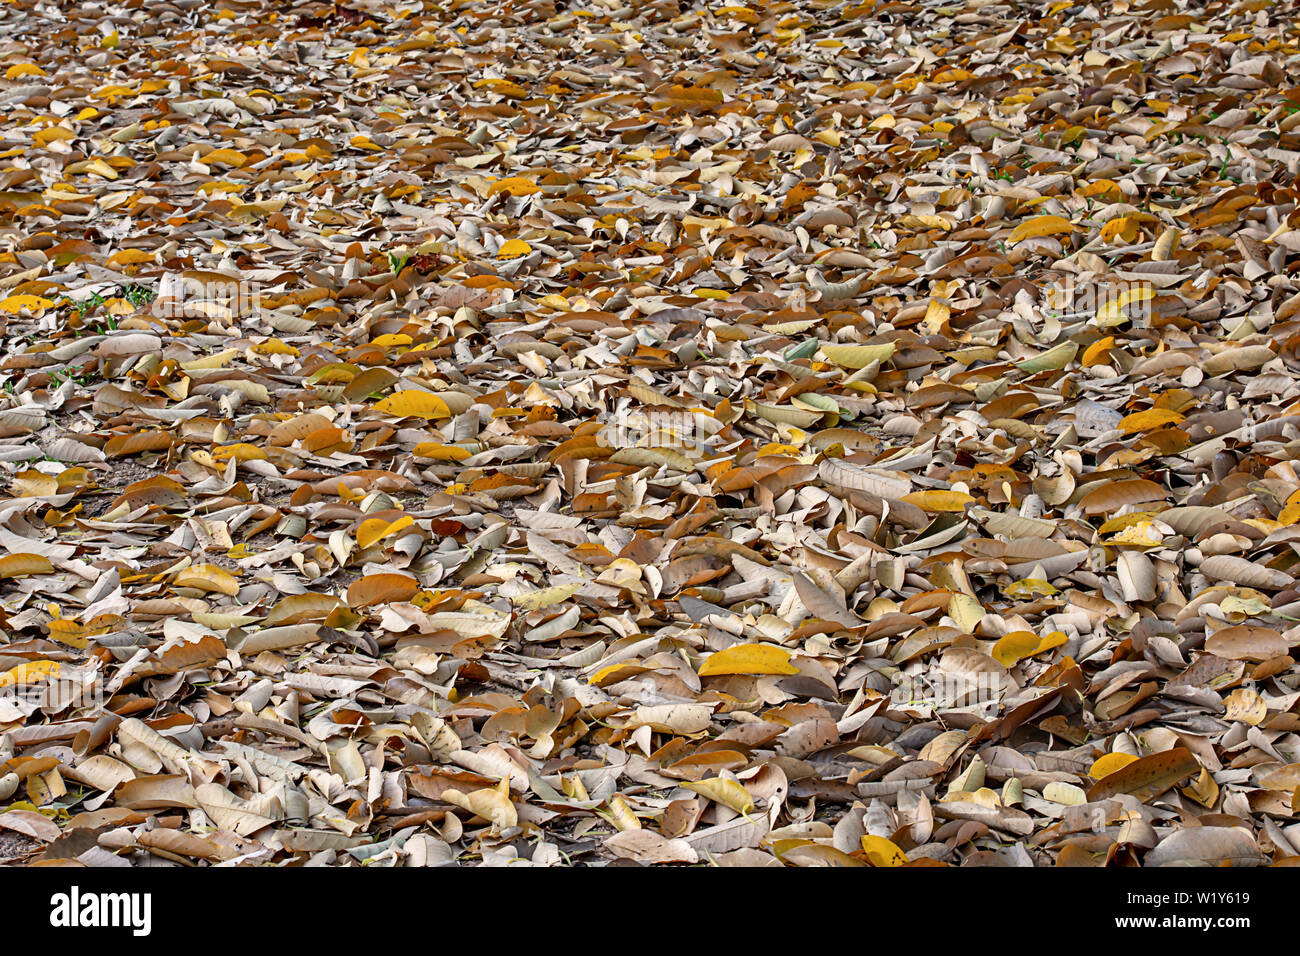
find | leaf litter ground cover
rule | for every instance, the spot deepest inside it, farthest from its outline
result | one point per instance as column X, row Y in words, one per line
column 802, row 433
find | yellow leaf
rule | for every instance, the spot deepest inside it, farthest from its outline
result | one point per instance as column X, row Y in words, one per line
column 516, row 185
column 437, row 452
column 858, row 356
column 1051, row 641
column 749, row 659
column 1149, row 419
column 22, row 564
column 1142, row 534
column 1015, row 646
column 24, row 69
column 514, row 248
column 99, row 168
column 1203, row 789
column 130, row 257
column 554, row 301
column 111, row 92
column 1064, row 793
column 1057, row 357
column 1247, row 605
column 936, row 314
column 374, row 530
column 1098, row 352
column 1137, row 293
column 1029, row 588
column 504, row 87
column 612, row 673
column 1122, row 228
column 728, row 792
column 623, row 816
column 1111, row 313
column 274, row 347
column 882, row 852
column 413, row 403
column 217, row 360
column 14, row 303
column 68, row 632
column 1040, row 226
column 1107, row 764
column 241, row 451
column 226, row 157
column 929, row 221
column 966, row 612
column 31, row 672
column 207, row 577
column 1107, row 188
column 50, row 134
column 1245, row 705
column 492, row 804
column 546, row 597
